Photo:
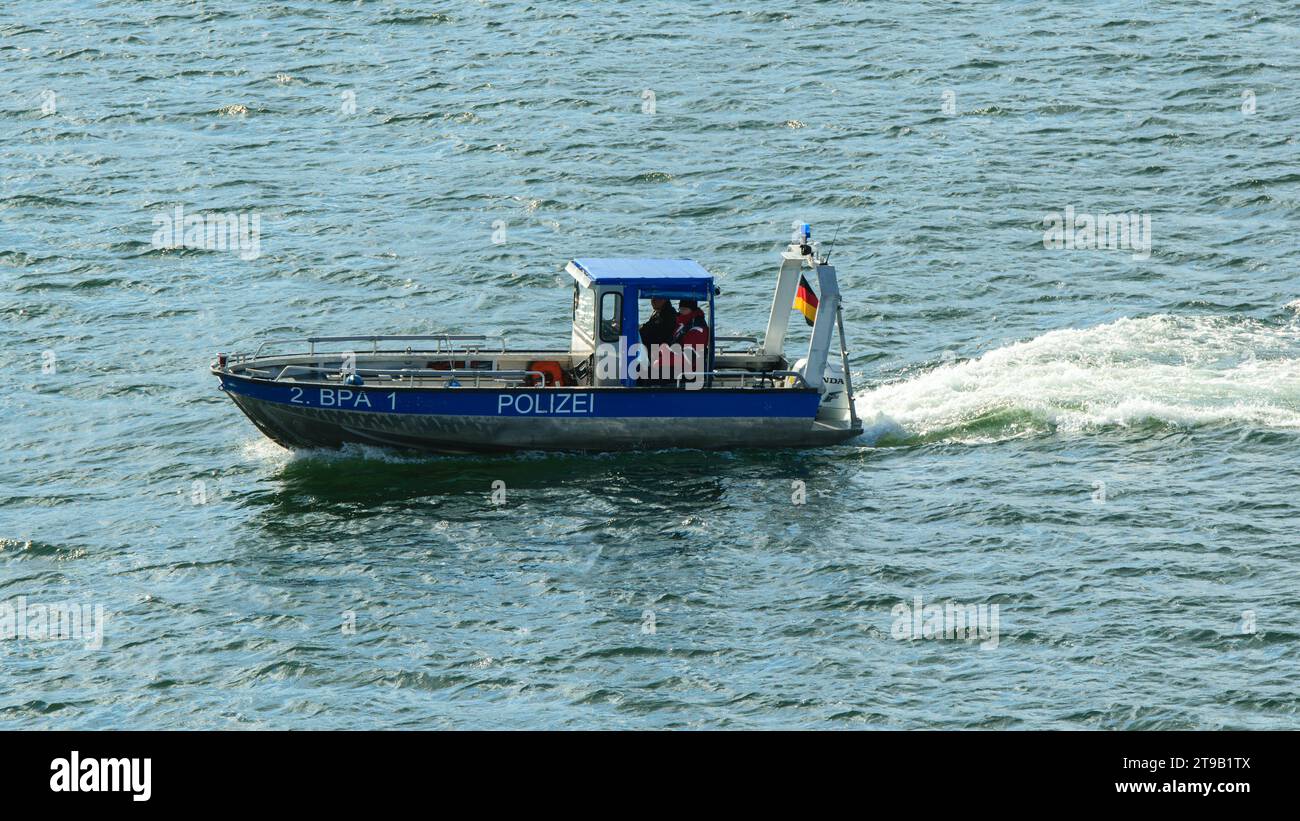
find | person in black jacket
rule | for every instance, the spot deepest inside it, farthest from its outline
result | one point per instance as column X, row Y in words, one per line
column 658, row 329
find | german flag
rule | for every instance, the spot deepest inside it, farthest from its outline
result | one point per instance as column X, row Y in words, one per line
column 805, row 301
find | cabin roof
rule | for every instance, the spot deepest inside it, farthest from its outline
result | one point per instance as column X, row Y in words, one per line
column 650, row 273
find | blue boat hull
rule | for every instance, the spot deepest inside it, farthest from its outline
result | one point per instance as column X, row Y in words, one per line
column 466, row 420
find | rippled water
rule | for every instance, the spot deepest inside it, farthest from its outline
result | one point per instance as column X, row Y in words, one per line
column 1101, row 445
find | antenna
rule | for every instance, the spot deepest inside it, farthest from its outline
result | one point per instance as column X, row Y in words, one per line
column 827, row 257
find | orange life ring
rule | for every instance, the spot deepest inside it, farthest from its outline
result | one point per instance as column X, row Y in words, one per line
column 551, row 371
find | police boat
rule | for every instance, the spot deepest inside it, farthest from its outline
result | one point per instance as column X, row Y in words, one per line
column 608, row 391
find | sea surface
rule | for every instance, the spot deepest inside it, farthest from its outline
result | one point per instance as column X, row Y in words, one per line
column 1098, row 445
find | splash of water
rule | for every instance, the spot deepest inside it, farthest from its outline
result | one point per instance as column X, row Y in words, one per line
column 1180, row 371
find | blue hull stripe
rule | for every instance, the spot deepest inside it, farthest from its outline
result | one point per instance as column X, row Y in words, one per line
column 570, row 402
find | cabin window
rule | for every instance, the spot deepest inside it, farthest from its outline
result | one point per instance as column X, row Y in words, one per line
column 584, row 312
column 611, row 312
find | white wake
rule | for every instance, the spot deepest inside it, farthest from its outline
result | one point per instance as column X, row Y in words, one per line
column 1177, row 370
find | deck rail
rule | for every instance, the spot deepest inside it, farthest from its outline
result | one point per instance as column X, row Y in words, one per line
column 758, row 376
column 443, row 344
column 752, row 341
column 476, row 376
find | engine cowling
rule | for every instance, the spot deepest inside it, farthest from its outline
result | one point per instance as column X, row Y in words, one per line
column 835, row 401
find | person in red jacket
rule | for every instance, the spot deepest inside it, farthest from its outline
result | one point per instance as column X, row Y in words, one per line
column 692, row 334
column 691, row 328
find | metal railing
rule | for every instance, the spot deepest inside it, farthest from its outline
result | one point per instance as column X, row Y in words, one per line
column 758, row 376
column 751, row 340
column 475, row 375
column 444, row 343
column 765, row 376
column 410, row 375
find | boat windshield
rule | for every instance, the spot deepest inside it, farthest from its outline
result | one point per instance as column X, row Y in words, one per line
column 584, row 310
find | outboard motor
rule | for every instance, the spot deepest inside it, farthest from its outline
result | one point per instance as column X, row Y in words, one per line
column 834, row 407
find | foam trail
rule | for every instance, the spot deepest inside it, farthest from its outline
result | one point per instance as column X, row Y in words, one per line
column 264, row 450
column 1175, row 370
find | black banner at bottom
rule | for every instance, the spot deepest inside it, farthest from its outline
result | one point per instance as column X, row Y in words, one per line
column 332, row 770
